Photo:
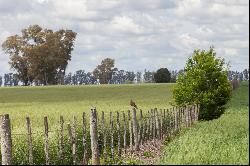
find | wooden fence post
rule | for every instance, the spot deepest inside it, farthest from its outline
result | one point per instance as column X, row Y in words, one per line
column 104, row 137
column 137, row 148
column 6, row 142
column 46, row 140
column 149, row 126
column 72, row 135
column 130, row 131
column 112, row 135
column 157, row 124
column 167, row 129
column 152, row 124
column 140, row 128
column 93, row 135
column 61, row 146
column 143, row 127
column 124, row 133
column 172, row 120
column 161, row 125
column 118, row 135
column 29, row 141
column 84, row 139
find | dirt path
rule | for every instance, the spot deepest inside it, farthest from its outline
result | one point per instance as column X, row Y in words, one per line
column 149, row 152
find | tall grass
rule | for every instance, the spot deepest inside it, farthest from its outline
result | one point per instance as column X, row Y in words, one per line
column 221, row 141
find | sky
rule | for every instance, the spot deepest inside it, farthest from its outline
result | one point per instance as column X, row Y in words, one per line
column 138, row 34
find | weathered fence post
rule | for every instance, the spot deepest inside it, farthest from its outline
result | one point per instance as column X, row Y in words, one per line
column 46, row 140
column 112, row 135
column 84, row 139
column 29, row 141
column 118, row 135
column 72, row 135
column 157, row 124
column 152, row 124
column 167, row 129
column 143, row 127
column 6, row 142
column 137, row 148
column 176, row 119
column 172, row 120
column 130, row 131
column 149, row 126
column 124, row 133
column 104, row 138
column 93, row 135
column 140, row 128
column 161, row 125
column 61, row 128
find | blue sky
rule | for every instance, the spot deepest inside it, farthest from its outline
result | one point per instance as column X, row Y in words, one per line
column 137, row 34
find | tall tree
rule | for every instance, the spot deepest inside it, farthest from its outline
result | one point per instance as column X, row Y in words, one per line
column 40, row 54
column 162, row 75
column 104, row 71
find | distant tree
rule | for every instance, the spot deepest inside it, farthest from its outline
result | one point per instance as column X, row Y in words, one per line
column 240, row 76
column 118, row 77
column 174, row 74
column 148, row 76
column 130, row 76
column 1, row 81
column 91, row 79
column 81, row 77
column 138, row 77
column 162, row 75
column 68, row 79
column 246, row 74
column 104, row 71
column 204, row 82
column 40, row 54
column 8, row 80
column 15, row 80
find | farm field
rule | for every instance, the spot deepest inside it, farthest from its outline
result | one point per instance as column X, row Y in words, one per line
column 53, row 101
column 221, row 141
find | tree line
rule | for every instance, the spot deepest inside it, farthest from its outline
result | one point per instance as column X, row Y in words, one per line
column 40, row 56
column 82, row 77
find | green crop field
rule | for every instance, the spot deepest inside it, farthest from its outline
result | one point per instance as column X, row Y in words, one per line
column 37, row 102
column 53, row 101
column 221, row 141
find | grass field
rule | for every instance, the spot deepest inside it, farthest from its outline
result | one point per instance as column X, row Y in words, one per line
column 37, row 102
column 53, row 101
column 221, row 141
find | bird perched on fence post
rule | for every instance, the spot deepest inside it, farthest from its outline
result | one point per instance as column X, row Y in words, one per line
column 132, row 103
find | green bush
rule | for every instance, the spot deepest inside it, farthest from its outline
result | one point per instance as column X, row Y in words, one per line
column 162, row 75
column 204, row 82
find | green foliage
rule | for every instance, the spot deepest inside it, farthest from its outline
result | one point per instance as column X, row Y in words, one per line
column 104, row 71
column 204, row 82
column 40, row 55
column 162, row 75
column 223, row 141
column 148, row 154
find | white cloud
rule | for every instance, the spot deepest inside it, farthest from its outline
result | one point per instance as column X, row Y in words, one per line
column 125, row 25
column 138, row 34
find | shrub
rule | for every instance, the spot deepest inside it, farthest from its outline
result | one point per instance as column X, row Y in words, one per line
column 162, row 75
column 204, row 82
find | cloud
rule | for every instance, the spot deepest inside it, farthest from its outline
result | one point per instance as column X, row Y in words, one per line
column 137, row 34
